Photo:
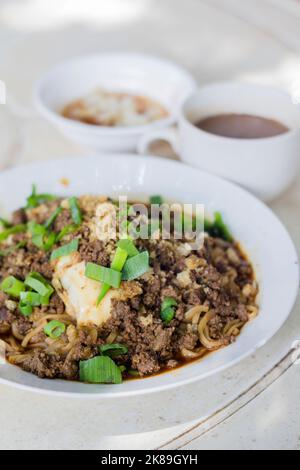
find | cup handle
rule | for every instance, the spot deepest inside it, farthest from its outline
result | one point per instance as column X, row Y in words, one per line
column 170, row 135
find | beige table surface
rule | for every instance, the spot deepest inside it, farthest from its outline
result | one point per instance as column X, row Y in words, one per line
column 256, row 403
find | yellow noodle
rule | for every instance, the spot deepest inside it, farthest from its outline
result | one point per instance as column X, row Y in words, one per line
column 36, row 345
column 12, row 342
column 111, row 337
column 33, row 333
column 195, row 312
column 41, row 324
column 252, row 312
column 8, row 347
column 233, row 328
column 187, row 354
column 204, row 337
column 17, row 358
column 15, row 332
column 69, row 355
column 93, row 335
column 60, row 346
column 230, row 325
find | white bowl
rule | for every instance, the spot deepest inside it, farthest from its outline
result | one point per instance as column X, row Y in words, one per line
column 253, row 224
column 156, row 78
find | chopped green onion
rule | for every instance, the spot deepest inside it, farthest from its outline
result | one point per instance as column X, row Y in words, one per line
column 65, row 250
column 136, row 266
column 44, row 242
column 102, row 274
column 36, row 229
column 101, row 369
column 25, row 309
column 128, row 246
column 208, row 225
column 113, row 350
column 53, row 217
column 75, row 210
column 30, row 298
column 167, row 315
column 167, row 311
column 222, row 227
column 12, row 286
column 104, row 289
column 36, row 282
column 54, row 329
column 119, row 259
column 168, row 302
column 122, row 368
column 117, row 265
column 40, row 237
column 67, row 230
column 218, row 228
column 156, row 200
column 11, row 231
column 34, row 200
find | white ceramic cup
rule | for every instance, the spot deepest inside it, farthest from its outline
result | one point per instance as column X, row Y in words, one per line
column 265, row 166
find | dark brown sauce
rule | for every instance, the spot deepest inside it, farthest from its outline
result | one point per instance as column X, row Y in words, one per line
column 241, row 126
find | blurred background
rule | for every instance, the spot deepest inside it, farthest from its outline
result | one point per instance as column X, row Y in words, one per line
column 214, row 39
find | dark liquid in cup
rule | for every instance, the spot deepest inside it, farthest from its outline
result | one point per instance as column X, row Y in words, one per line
column 241, row 126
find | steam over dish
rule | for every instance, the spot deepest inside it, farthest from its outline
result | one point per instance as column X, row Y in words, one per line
column 79, row 302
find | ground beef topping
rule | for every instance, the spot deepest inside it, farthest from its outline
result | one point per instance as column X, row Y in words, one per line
column 213, row 290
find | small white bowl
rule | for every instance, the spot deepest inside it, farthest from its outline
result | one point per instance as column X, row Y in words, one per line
column 139, row 74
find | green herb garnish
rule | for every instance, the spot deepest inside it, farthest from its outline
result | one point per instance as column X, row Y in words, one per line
column 101, row 369
column 36, row 282
column 117, row 264
column 54, row 329
column 40, row 236
column 128, row 246
column 67, row 230
column 12, row 231
column 156, row 200
column 101, row 274
column 75, row 210
column 52, row 218
column 167, row 312
column 113, row 350
column 136, row 266
column 217, row 228
column 35, row 200
column 65, row 250
column 12, row 286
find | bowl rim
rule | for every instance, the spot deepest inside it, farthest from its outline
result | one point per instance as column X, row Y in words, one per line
column 294, row 287
column 56, row 118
